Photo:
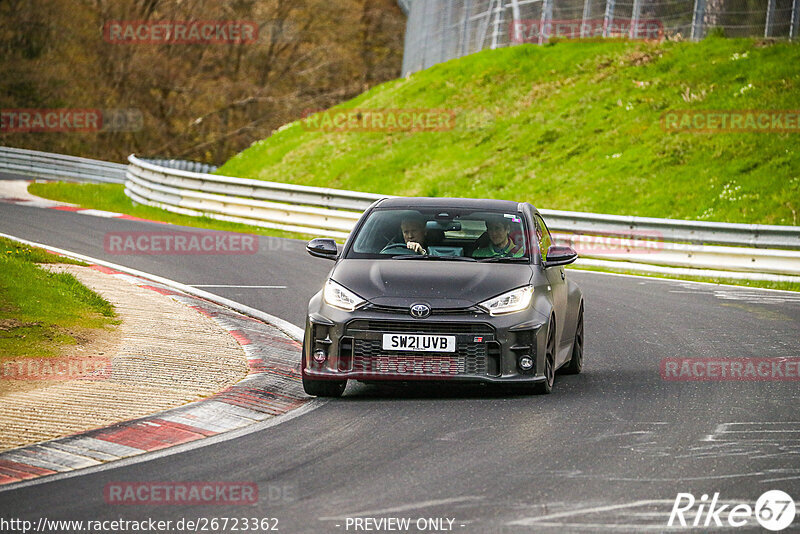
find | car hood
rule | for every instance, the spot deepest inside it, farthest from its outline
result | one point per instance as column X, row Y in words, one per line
column 441, row 284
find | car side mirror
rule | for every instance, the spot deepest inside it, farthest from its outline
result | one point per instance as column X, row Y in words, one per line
column 323, row 248
column 560, row 255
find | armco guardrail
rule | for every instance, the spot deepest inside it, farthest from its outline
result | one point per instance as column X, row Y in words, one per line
column 698, row 232
column 182, row 165
column 333, row 212
column 314, row 210
column 255, row 189
column 652, row 252
column 34, row 164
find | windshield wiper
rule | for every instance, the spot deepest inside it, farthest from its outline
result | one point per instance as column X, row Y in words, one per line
column 429, row 257
column 504, row 259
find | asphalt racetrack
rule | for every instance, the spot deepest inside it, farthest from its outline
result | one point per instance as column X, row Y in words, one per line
column 608, row 451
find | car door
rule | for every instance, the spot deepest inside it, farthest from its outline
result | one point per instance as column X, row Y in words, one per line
column 558, row 285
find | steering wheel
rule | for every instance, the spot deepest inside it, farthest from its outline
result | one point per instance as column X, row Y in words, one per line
column 396, row 246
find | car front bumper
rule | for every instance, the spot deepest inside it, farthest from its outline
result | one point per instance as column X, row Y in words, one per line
column 488, row 348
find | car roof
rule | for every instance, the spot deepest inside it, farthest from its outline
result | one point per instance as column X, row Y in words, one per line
column 436, row 202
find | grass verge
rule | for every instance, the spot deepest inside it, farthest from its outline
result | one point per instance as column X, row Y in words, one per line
column 575, row 125
column 40, row 311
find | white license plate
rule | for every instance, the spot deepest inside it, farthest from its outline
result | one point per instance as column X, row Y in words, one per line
column 419, row 342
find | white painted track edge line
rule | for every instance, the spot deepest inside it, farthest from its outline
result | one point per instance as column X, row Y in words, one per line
column 313, row 404
column 235, row 286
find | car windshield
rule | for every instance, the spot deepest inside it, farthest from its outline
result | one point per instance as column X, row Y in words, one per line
column 441, row 234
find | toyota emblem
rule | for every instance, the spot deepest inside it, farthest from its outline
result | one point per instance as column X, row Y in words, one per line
column 420, row 311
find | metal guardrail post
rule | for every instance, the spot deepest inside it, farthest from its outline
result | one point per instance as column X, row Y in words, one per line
column 498, row 21
column 587, row 13
column 697, row 19
column 546, row 22
column 483, row 26
column 515, row 29
column 633, row 33
column 608, row 18
column 770, row 18
column 465, row 28
column 445, row 29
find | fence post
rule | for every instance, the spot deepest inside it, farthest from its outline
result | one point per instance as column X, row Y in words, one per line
column 697, row 19
column 795, row 20
column 516, row 24
column 608, row 19
column 447, row 28
column 498, row 19
column 426, row 16
column 515, row 10
column 770, row 18
column 547, row 17
column 587, row 13
column 634, row 30
column 465, row 28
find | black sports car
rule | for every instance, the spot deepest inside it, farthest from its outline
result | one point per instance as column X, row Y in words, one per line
column 444, row 289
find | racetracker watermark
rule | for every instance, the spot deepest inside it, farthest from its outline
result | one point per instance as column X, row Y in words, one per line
column 180, row 493
column 180, row 32
column 774, row 510
column 70, row 368
column 716, row 121
column 731, row 369
column 400, row 524
column 180, row 243
column 533, row 31
column 636, row 242
column 70, row 120
column 379, row 120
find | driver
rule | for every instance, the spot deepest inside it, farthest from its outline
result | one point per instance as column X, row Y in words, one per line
column 413, row 229
column 500, row 242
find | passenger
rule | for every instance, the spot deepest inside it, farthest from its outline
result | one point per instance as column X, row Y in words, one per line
column 500, row 242
column 413, row 229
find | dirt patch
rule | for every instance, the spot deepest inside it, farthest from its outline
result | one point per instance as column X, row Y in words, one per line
column 640, row 58
column 93, row 347
column 7, row 325
column 604, row 63
column 764, row 43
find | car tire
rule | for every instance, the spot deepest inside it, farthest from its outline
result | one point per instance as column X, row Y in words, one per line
column 576, row 362
column 324, row 388
column 546, row 386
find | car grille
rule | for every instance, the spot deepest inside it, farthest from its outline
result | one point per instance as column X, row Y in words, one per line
column 404, row 310
column 419, row 327
column 369, row 357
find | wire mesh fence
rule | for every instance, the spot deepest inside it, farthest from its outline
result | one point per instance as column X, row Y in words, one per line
column 439, row 30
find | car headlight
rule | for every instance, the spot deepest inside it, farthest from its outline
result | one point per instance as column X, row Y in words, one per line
column 511, row 302
column 340, row 297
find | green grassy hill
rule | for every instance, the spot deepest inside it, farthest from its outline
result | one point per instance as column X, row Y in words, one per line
column 574, row 125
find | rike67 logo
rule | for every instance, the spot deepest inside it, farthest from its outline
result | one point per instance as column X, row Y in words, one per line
column 774, row 510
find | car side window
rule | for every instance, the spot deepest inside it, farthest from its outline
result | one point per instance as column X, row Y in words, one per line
column 542, row 236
